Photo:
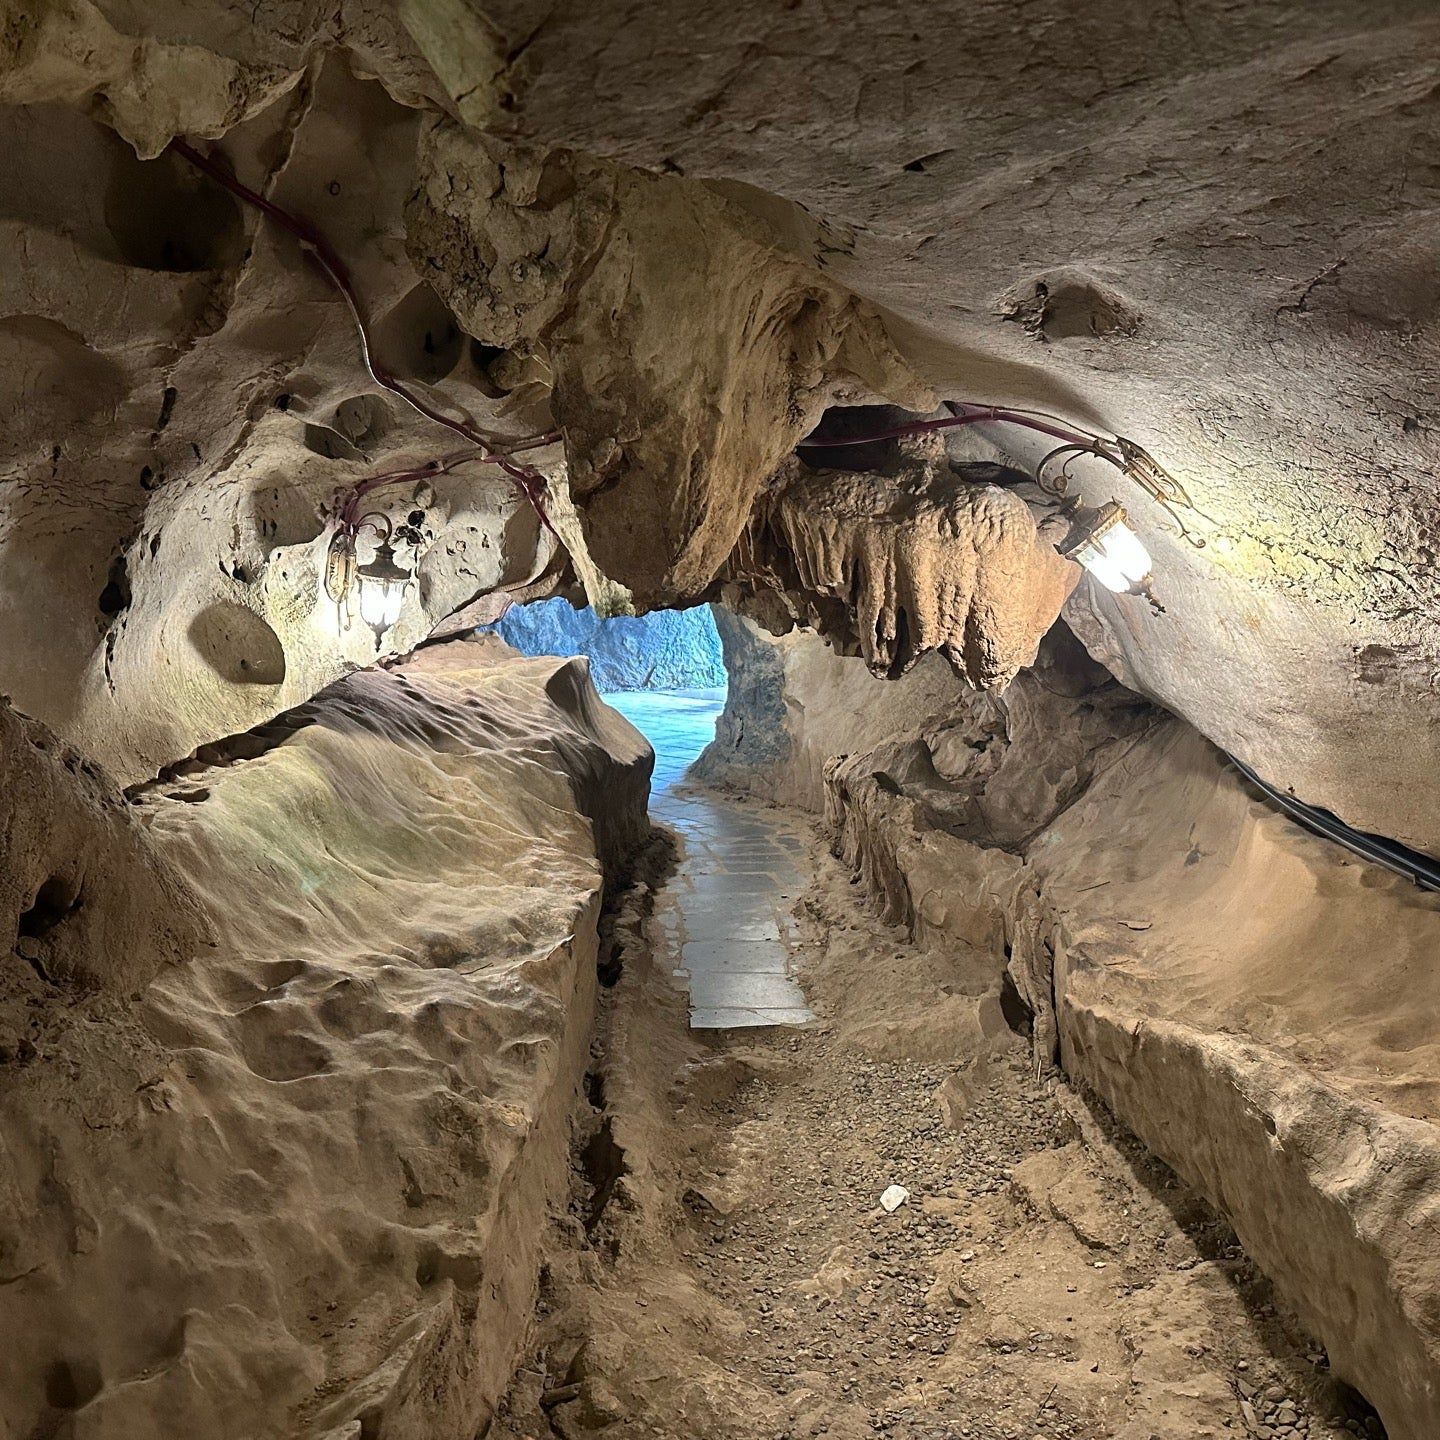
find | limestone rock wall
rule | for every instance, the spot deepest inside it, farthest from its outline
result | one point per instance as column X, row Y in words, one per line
column 679, row 238
column 794, row 705
column 791, row 705
column 1191, row 958
column 85, row 902
column 689, row 352
column 177, row 74
column 189, row 396
column 286, row 1172
column 681, row 253
column 1251, row 1001
column 751, row 744
column 1211, row 227
column 661, row 650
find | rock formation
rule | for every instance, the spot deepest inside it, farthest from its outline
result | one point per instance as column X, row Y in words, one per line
column 661, row 650
column 274, row 1170
column 1211, row 228
column 922, row 558
column 640, row 290
column 683, row 324
column 267, row 1121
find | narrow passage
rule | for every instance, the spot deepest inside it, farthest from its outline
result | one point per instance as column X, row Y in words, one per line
column 727, row 915
column 1042, row 1280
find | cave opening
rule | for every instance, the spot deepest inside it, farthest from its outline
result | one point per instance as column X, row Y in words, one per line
column 736, row 871
column 664, row 671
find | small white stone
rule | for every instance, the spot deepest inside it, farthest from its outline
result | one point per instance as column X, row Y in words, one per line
column 893, row 1198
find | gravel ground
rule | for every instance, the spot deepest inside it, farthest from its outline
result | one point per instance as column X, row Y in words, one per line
column 727, row 1269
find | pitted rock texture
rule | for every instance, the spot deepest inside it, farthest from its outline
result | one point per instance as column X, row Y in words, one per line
column 293, row 1181
column 189, row 397
column 1089, row 273
column 689, row 351
column 1121, row 244
column 680, row 236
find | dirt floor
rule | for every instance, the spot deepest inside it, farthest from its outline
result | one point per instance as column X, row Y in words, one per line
column 726, row 1268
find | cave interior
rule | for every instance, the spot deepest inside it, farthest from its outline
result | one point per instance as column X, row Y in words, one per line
column 720, row 721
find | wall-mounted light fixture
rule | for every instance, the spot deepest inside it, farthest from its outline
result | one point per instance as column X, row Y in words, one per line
column 1102, row 541
column 380, row 582
column 382, row 588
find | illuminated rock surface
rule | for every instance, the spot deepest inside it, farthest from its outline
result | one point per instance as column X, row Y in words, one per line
column 1126, row 246
column 664, row 650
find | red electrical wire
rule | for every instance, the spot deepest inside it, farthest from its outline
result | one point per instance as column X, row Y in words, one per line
column 1130, row 458
column 965, row 412
column 529, row 481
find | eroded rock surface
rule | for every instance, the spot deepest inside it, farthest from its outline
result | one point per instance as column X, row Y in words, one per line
column 689, row 351
column 740, row 1277
column 680, row 237
column 699, row 244
column 1252, row 1002
column 1212, row 228
column 295, row 1178
column 85, row 901
column 190, row 397
column 920, row 558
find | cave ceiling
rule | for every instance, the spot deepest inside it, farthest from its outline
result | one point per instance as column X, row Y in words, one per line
column 677, row 235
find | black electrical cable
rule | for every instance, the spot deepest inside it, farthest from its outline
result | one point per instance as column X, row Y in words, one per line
column 1422, row 870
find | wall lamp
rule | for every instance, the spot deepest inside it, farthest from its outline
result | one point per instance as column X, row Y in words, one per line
column 1102, row 541
column 380, row 583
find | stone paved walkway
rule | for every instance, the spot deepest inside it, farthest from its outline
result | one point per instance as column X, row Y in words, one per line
column 726, row 913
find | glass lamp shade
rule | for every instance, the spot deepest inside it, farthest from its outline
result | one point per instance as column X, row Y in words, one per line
column 1103, row 542
column 1123, row 546
column 382, row 588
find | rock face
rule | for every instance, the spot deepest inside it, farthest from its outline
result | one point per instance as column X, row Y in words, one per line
column 751, row 225
column 293, row 1176
column 1158, row 221
column 664, row 650
column 689, row 352
column 1187, row 955
column 85, row 902
column 307, row 1007
column 791, row 706
column 751, row 741
column 922, row 557
column 191, row 398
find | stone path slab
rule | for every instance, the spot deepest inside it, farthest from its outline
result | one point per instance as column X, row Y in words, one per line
column 727, row 911
column 726, row 914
